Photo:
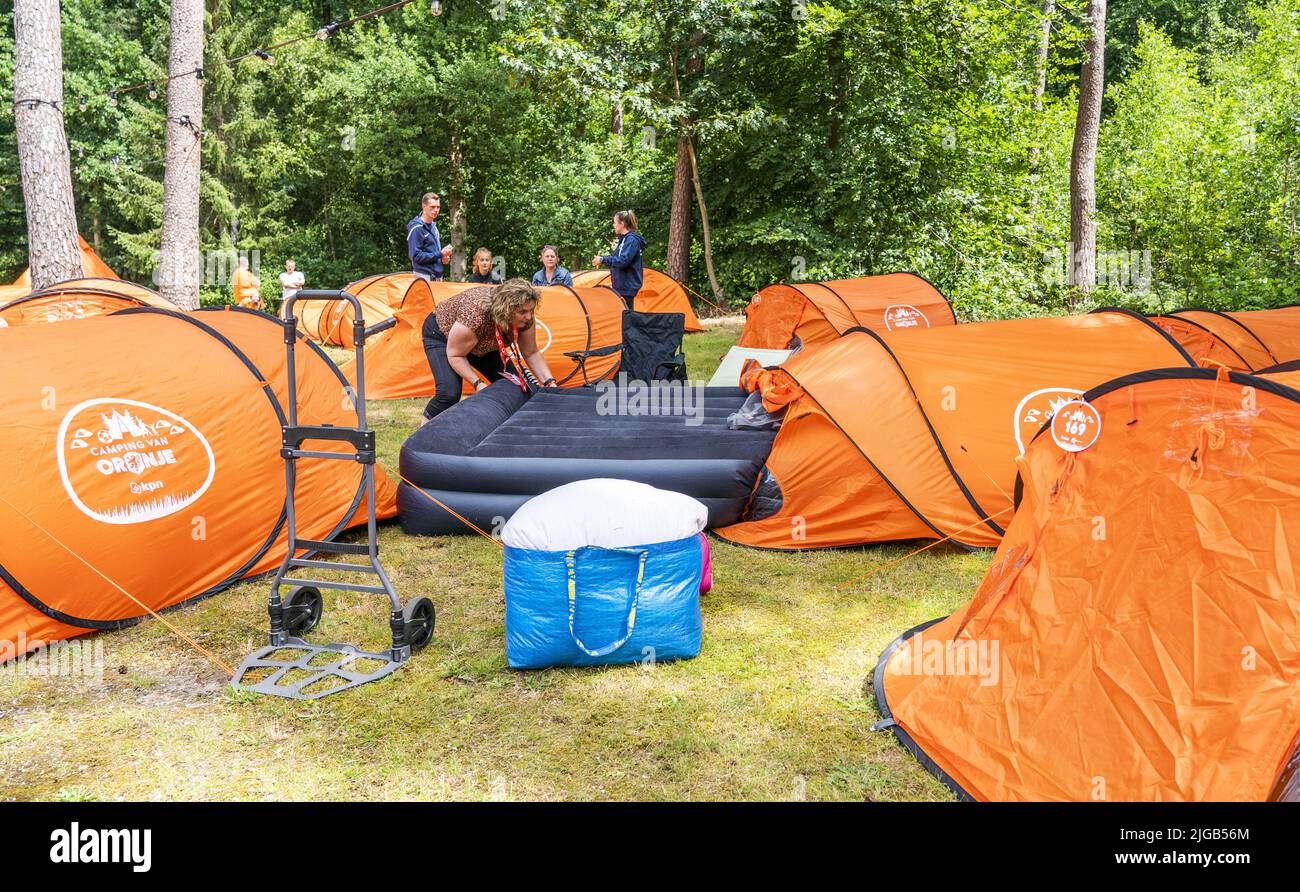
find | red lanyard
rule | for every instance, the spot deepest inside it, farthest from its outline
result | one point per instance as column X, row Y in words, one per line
column 510, row 354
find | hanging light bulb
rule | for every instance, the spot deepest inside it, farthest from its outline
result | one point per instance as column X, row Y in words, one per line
column 198, row 74
column 117, row 159
column 112, row 98
column 328, row 31
column 153, row 90
column 265, row 56
column 81, row 104
column 81, row 153
column 435, row 7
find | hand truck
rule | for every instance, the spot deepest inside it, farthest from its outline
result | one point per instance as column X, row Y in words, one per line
column 317, row 671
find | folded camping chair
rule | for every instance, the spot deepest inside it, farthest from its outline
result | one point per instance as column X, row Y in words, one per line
column 651, row 348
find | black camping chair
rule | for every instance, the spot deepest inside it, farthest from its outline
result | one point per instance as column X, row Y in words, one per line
column 651, row 348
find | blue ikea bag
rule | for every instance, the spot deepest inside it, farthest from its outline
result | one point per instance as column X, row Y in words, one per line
column 595, row 606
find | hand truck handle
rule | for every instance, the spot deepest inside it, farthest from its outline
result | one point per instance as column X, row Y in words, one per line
column 358, row 344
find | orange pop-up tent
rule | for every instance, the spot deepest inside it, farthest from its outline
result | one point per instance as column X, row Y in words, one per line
column 1244, row 341
column 660, row 293
column 148, row 472
column 78, row 298
column 92, row 267
column 783, row 316
column 1137, row 636
column 569, row 320
column 914, row 434
column 381, row 296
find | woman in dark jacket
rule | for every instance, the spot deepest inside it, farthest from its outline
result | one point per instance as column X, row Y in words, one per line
column 483, row 274
column 625, row 269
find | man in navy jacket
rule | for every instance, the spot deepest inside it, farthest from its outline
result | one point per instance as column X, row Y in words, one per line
column 423, row 244
column 625, row 268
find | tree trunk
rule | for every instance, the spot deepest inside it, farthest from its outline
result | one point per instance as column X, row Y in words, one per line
column 1044, row 46
column 180, row 263
column 1083, row 185
column 42, row 145
column 704, row 224
column 456, row 204
column 1040, row 70
column 679, row 217
column 616, row 118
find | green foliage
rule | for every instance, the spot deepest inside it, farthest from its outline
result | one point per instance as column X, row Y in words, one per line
column 834, row 139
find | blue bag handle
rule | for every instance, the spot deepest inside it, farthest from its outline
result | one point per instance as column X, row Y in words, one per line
column 570, row 563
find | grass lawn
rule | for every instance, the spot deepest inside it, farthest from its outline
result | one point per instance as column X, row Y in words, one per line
column 776, row 706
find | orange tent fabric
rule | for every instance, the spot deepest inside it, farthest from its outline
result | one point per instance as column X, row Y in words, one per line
column 381, row 296
column 569, row 320
column 1246, row 340
column 781, row 316
column 78, row 298
column 1209, row 349
column 92, row 267
column 914, row 434
column 660, row 293
column 149, row 469
column 1137, row 636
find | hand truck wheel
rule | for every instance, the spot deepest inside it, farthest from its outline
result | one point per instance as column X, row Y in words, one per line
column 302, row 610
column 420, row 619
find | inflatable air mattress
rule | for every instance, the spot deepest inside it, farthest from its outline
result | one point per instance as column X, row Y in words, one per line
column 487, row 455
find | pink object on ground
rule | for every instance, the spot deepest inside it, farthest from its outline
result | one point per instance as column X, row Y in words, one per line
column 706, row 577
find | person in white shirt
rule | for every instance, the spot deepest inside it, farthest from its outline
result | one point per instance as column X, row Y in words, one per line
column 291, row 281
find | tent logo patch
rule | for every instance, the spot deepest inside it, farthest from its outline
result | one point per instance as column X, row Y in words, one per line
column 1038, row 408
column 1076, row 426
column 124, row 461
column 542, row 348
column 905, row 316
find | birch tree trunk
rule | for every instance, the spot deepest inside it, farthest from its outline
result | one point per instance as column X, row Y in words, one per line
column 1040, row 69
column 1083, row 158
column 180, row 264
column 42, row 145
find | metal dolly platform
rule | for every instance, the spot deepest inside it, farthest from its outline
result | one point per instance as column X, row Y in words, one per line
column 325, row 667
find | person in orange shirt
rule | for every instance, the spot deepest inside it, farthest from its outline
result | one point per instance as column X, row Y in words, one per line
column 247, row 287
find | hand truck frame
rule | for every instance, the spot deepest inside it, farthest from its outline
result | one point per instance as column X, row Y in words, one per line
column 298, row 611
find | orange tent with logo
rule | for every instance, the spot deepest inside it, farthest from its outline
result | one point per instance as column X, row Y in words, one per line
column 92, row 267
column 1244, row 341
column 660, row 293
column 781, row 317
column 1137, row 636
column 914, row 434
column 78, row 298
column 569, row 320
column 146, row 472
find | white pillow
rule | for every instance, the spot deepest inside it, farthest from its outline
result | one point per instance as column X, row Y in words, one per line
column 606, row 513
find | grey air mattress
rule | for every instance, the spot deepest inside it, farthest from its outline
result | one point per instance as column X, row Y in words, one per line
column 488, row 454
